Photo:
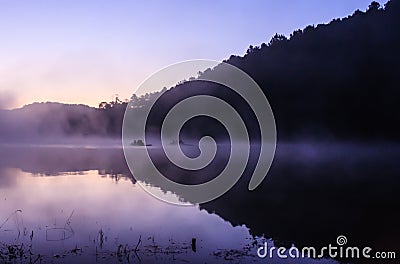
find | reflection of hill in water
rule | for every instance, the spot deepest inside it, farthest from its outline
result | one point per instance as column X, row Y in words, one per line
column 53, row 161
column 311, row 195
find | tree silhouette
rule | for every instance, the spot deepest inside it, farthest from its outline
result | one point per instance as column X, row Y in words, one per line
column 374, row 6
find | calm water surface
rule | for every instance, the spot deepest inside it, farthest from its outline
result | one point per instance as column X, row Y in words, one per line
column 81, row 205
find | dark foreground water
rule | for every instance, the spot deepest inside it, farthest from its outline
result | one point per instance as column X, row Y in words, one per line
column 74, row 204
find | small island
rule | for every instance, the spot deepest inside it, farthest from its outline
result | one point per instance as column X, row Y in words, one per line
column 139, row 143
column 180, row 142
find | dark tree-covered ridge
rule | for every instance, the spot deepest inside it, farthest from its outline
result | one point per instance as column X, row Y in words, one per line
column 334, row 81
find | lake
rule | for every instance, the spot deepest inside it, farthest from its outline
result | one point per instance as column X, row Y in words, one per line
column 80, row 204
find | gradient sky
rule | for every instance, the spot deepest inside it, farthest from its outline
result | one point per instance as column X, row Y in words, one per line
column 87, row 51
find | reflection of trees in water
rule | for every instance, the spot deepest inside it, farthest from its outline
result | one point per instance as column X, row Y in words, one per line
column 52, row 161
column 312, row 196
column 115, row 175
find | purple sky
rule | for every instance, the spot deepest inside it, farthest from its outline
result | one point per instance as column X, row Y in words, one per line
column 87, row 51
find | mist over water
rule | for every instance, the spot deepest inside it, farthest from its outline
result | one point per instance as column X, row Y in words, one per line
column 64, row 178
column 86, row 199
column 49, row 123
column 313, row 193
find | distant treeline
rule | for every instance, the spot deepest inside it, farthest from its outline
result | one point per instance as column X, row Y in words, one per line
column 41, row 120
column 335, row 81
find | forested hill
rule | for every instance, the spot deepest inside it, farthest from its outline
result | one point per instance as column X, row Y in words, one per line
column 340, row 80
column 335, row 81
